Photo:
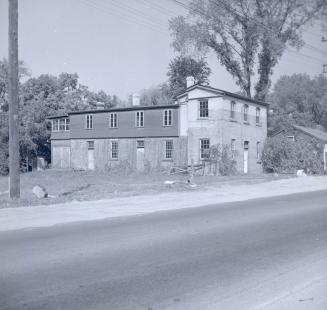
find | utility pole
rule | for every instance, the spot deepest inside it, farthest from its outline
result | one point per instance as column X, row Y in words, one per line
column 14, row 178
column 324, row 66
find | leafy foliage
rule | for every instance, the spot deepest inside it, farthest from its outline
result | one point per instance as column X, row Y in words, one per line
column 40, row 98
column 182, row 67
column 156, row 95
column 221, row 161
column 282, row 156
column 243, row 32
column 298, row 99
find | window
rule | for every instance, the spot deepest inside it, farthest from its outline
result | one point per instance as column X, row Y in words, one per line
column 232, row 109
column 90, row 145
column 169, row 149
column 291, row 138
column 67, row 127
column 258, row 151
column 140, row 144
column 233, row 148
column 114, row 149
column 167, row 117
column 204, row 109
column 246, row 145
column 204, row 148
column 245, row 112
column 55, row 125
column 112, row 120
column 89, row 121
column 257, row 115
column 61, row 124
column 139, row 119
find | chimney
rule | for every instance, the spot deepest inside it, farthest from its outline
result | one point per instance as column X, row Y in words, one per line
column 190, row 81
column 136, row 99
column 100, row 105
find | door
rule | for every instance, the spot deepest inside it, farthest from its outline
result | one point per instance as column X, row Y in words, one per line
column 61, row 157
column 246, row 156
column 140, row 155
column 90, row 159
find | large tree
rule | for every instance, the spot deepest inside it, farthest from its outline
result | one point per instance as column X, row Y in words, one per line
column 248, row 36
column 298, row 99
column 182, row 67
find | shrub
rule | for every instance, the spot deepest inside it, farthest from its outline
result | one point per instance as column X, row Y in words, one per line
column 221, row 161
column 284, row 156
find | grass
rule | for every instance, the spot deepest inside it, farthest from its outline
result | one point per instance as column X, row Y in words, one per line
column 64, row 186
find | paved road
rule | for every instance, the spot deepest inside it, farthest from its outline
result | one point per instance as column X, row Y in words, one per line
column 260, row 254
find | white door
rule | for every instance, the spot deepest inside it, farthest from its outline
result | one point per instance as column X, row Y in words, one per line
column 61, row 157
column 90, row 159
column 140, row 155
column 246, row 156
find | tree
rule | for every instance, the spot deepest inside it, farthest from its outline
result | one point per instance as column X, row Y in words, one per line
column 298, row 99
column 156, row 95
column 243, row 32
column 182, row 67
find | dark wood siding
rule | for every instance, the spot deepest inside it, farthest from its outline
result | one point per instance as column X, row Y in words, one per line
column 60, row 135
column 153, row 125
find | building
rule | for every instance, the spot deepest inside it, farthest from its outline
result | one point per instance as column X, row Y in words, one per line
column 301, row 135
column 145, row 137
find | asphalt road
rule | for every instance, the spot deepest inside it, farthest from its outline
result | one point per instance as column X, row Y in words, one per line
column 259, row 254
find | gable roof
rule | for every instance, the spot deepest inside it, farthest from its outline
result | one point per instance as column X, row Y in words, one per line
column 221, row 92
column 319, row 134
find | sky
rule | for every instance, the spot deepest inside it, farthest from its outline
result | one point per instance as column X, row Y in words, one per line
column 121, row 46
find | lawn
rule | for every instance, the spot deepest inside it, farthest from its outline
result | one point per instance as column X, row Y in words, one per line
column 68, row 185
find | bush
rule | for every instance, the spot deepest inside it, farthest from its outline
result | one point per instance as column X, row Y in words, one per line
column 284, row 156
column 221, row 161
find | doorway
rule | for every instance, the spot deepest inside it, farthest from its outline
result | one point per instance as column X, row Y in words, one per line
column 90, row 155
column 246, row 157
column 140, row 155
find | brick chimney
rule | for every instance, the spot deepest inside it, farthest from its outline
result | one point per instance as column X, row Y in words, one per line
column 100, row 105
column 190, row 81
column 136, row 99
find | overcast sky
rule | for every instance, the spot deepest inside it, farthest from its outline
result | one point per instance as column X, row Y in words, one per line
column 120, row 46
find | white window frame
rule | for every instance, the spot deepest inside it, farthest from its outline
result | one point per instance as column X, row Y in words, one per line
column 169, row 150
column 90, row 145
column 257, row 115
column 258, row 151
column 139, row 119
column 140, row 144
column 246, row 113
column 167, row 118
column 202, row 148
column 114, row 153
column 89, row 121
column 233, row 148
column 55, row 128
column 206, row 109
column 232, row 109
column 113, row 120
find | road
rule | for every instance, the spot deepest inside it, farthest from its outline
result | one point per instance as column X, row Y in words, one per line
column 259, row 254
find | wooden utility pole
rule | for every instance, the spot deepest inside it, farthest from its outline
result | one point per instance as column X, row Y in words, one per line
column 14, row 178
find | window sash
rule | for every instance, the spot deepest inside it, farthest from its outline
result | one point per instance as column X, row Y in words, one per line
column 258, row 150
column 139, row 119
column 90, row 145
column 204, row 147
column 167, row 118
column 114, row 149
column 232, row 109
column 140, row 144
column 89, row 121
column 169, row 148
column 113, row 120
column 204, row 109
column 257, row 116
column 61, row 124
column 67, row 124
column 55, row 125
column 245, row 112
column 233, row 148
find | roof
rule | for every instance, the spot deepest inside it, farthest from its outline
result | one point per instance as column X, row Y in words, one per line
column 223, row 93
column 57, row 116
column 319, row 134
column 132, row 108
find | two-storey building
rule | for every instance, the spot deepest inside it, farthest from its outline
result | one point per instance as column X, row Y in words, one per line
column 145, row 137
